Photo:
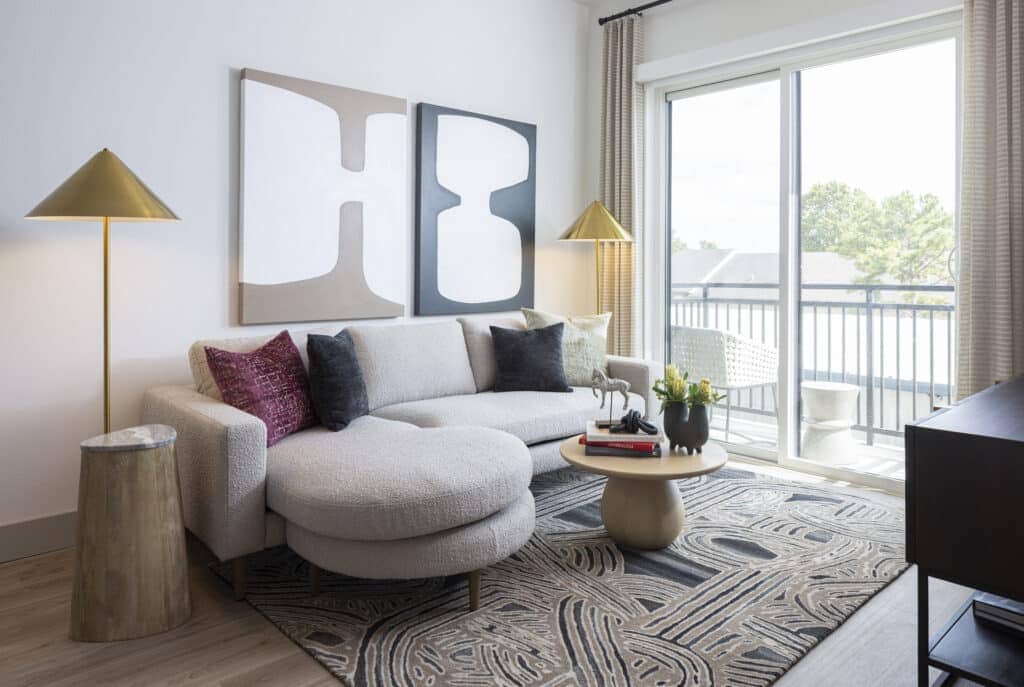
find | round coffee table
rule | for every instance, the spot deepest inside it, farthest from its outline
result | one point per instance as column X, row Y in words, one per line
column 641, row 507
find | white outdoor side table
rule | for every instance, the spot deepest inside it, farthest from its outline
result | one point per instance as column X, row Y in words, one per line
column 829, row 409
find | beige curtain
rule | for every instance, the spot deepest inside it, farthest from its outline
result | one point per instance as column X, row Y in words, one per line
column 990, row 301
column 621, row 171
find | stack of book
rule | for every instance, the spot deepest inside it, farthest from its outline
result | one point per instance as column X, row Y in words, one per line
column 599, row 441
column 1007, row 613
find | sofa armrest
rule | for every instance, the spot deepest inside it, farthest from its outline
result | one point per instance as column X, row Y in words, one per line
column 640, row 374
column 222, row 467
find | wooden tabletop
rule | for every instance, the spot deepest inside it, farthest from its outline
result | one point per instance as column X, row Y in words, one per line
column 671, row 464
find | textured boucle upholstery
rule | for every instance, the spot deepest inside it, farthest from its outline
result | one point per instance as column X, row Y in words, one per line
column 381, row 480
column 223, row 459
column 408, row 362
column 203, row 378
column 641, row 375
column 275, row 526
column 547, row 457
column 221, row 465
column 480, row 346
column 531, row 416
column 450, row 552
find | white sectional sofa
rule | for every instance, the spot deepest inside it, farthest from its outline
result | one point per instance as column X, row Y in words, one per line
column 434, row 481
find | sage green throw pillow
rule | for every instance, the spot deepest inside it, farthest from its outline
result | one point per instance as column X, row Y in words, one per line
column 584, row 342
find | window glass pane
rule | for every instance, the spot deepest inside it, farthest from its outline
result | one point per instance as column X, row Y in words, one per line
column 878, row 177
column 724, row 214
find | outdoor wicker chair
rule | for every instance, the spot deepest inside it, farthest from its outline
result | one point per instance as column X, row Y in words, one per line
column 732, row 362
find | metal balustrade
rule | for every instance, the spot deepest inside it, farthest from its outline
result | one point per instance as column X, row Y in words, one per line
column 880, row 337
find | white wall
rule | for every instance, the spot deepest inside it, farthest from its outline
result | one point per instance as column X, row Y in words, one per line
column 156, row 81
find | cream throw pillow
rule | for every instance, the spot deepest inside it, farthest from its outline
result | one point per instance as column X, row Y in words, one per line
column 584, row 342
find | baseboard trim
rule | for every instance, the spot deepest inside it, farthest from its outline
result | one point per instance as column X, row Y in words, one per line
column 33, row 537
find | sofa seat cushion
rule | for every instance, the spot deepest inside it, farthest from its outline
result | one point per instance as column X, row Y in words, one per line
column 531, row 416
column 380, row 480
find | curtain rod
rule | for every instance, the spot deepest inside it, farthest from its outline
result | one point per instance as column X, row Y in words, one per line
column 632, row 10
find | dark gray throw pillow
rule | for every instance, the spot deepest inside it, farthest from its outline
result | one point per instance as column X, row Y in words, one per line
column 529, row 359
column 336, row 380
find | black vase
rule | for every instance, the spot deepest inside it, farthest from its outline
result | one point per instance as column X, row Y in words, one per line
column 697, row 430
column 676, row 415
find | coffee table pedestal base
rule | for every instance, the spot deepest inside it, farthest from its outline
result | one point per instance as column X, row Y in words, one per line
column 642, row 514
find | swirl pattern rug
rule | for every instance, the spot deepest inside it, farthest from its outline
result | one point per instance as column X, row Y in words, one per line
column 763, row 571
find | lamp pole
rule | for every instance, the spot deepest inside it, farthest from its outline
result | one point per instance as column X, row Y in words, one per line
column 106, row 325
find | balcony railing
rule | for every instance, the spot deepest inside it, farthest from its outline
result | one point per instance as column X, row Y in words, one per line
column 900, row 352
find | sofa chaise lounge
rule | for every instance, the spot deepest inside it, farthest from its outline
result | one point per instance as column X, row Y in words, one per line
column 434, row 481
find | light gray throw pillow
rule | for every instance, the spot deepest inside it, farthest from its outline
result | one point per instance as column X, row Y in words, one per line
column 584, row 342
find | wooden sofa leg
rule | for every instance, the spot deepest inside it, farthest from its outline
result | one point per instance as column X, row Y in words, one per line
column 314, row 579
column 239, row 567
column 474, row 590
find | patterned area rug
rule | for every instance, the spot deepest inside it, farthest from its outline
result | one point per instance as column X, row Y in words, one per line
column 762, row 572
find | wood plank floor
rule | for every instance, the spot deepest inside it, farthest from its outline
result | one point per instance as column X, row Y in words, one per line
column 229, row 643
column 224, row 643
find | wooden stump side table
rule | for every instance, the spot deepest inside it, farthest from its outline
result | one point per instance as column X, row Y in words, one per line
column 131, row 569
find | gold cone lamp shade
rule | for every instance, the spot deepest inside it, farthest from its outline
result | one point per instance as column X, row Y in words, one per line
column 596, row 224
column 103, row 189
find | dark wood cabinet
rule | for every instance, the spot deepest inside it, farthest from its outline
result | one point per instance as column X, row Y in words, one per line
column 965, row 524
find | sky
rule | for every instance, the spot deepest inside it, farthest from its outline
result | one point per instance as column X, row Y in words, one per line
column 884, row 123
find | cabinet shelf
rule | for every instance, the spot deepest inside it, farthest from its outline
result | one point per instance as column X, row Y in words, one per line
column 977, row 651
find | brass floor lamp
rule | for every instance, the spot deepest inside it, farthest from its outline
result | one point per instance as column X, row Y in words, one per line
column 596, row 224
column 103, row 189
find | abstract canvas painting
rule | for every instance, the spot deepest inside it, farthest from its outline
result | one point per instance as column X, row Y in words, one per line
column 324, row 174
column 475, row 214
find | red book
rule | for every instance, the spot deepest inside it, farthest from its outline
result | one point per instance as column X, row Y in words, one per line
column 627, row 445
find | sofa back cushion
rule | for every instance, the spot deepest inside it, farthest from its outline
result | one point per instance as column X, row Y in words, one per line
column 410, row 362
column 480, row 345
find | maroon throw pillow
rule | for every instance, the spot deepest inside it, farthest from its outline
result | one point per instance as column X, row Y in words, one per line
column 269, row 383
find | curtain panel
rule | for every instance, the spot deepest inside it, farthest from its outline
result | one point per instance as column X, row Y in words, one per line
column 621, row 173
column 990, row 297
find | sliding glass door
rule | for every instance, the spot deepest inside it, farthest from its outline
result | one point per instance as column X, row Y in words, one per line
column 878, row 198
column 811, row 230
column 724, row 264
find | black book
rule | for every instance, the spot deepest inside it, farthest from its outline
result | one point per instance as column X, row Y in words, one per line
column 1001, row 611
column 622, row 452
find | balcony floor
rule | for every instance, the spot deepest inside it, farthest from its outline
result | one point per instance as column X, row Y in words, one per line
column 885, row 458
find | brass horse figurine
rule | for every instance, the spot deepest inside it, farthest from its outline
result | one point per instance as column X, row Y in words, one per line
column 599, row 381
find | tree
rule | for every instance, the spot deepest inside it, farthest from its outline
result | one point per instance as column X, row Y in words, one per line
column 912, row 244
column 832, row 212
column 905, row 239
